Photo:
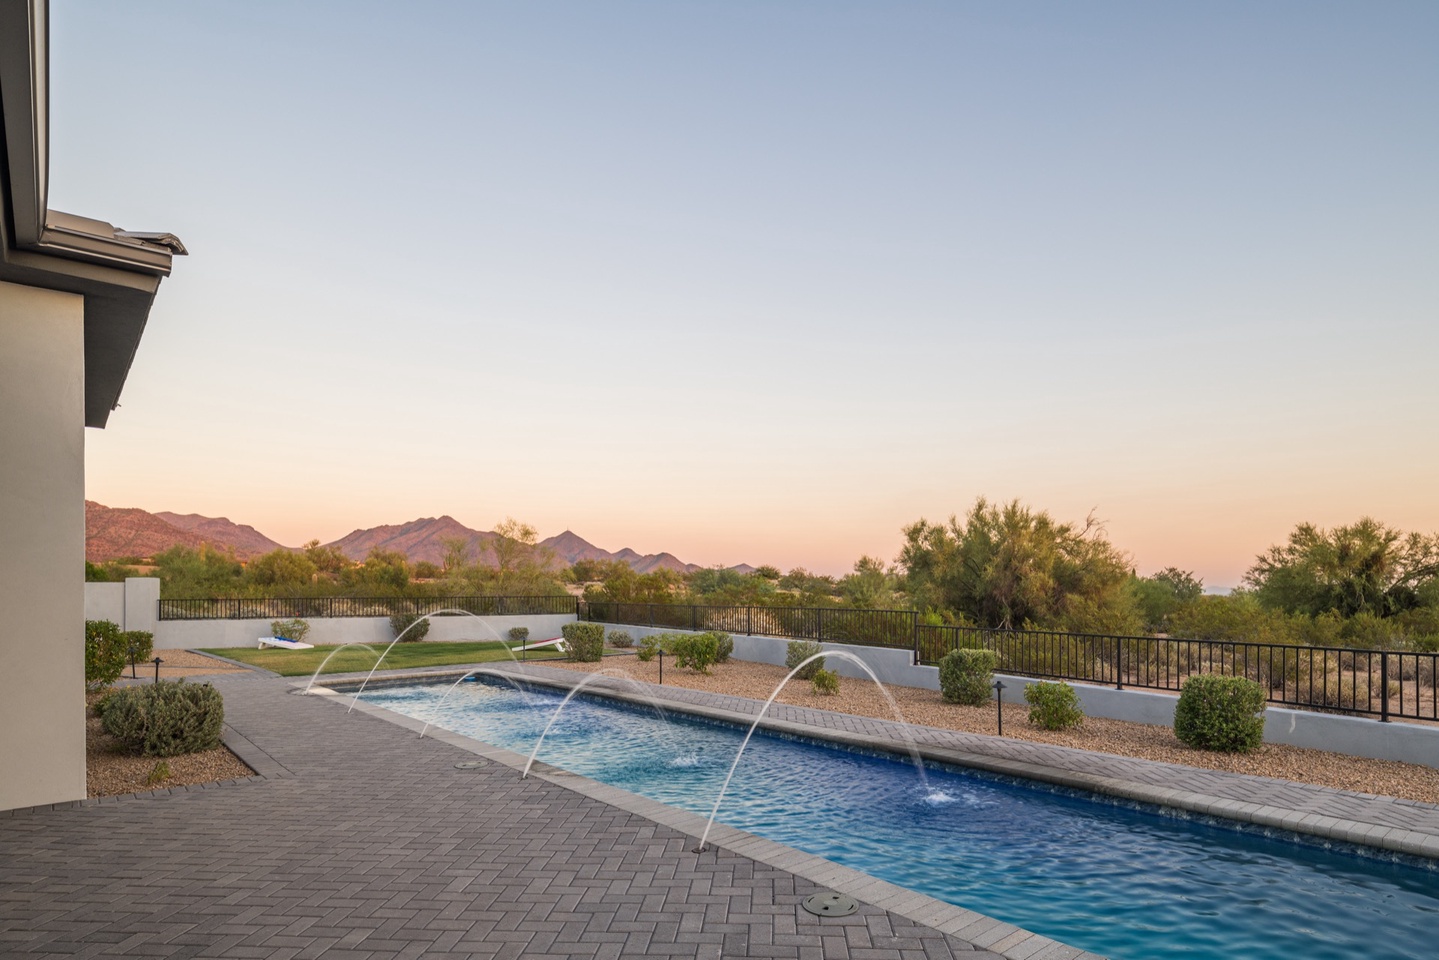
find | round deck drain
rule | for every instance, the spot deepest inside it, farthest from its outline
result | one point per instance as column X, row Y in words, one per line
column 470, row 764
column 830, row 904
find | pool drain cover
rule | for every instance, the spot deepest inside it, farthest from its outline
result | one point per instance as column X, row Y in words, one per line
column 830, row 905
column 469, row 764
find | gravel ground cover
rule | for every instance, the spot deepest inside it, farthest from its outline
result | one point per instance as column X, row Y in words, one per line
column 110, row 772
column 926, row 707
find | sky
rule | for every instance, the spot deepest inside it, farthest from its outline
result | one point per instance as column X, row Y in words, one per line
column 766, row 282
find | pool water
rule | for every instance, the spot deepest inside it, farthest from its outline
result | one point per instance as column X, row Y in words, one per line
column 1127, row 883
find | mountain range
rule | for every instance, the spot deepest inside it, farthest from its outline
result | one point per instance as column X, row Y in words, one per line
column 114, row 532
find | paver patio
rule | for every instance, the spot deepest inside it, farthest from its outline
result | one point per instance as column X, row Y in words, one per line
column 357, row 839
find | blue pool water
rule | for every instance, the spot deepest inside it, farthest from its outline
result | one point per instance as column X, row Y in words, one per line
column 1121, row 882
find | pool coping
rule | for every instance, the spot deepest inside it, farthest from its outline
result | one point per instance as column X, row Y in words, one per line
column 984, row 932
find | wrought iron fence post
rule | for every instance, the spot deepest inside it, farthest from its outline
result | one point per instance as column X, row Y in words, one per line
column 694, row 617
column 1119, row 663
column 749, row 621
column 1384, row 687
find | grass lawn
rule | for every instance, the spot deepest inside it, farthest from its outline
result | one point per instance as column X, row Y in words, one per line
column 302, row 663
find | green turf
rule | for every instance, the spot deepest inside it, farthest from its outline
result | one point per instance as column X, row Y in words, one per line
column 302, row 663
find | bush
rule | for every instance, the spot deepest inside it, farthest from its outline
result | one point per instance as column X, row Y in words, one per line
column 1220, row 713
column 800, row 650
column 650, row 646
column 166, row 718
column 967, row 676
column 141, row 641
column 104, row 654
column 413, row 622
column 698, row 651
column 585, row 641
column 725, row 646
column 519, row 634
column 1053, row 706
column 825, row 682
column 621, row 639
column 296, row 630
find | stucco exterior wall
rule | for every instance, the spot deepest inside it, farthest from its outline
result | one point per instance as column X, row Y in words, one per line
column 190, row 634
column 42, row 511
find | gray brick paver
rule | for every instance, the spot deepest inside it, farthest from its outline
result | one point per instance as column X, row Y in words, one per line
column 364, row 841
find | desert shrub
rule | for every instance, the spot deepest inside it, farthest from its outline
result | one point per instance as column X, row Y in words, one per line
column 296, row 629
column 1220, row 713
column 966, row 676
column 825, row 682
column 519, row 634
column 798, row 651
column 650, row 646
column 698, row 651
column 417, row 626
column 725, row 646
column 585, row 641
column 1053, row 706
column 166, row 718
column 142, row 642
column 621, row 639
column 158, row 773
column 104, row 653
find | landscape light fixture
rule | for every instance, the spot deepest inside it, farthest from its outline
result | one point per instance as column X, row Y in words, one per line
column 157, row 661
column 999, row 705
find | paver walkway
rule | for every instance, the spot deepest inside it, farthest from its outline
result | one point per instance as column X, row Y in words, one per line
column 361, row 841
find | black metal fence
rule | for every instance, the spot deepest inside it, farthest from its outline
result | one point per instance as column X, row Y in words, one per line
column 1385, row 684
column 873, row 628
column 284, row 608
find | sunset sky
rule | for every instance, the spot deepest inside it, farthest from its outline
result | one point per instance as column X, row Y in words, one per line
column 764, row 282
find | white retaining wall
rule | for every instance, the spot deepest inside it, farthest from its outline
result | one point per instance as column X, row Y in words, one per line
column 135, row 605
column 1355, row 736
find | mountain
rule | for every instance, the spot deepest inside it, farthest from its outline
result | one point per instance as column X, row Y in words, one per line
column 245, row 539
column 570, row 547
column 130, row 532
column 112, row 532
column 421, row 539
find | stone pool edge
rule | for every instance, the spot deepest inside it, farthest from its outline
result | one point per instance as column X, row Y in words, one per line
column 987, row 933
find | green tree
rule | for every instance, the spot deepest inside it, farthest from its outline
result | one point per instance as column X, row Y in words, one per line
column 871, row 586
column 280, row 568
column 384, row 571
column 457, row 554
column 1010, row 566
column 1364, row 568
column 203, row 572
column 1161, row 594
column 328, row 561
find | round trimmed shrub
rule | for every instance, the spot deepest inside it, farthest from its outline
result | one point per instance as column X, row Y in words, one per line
column 967, row 676
column 165, row 719
column 296, row 629
column 1053, row 706
column 798, row 651
column 621, row 639
column 585, row 641
column 105, row 652
column 519, row 634
column 1220, row 713
column 142, row 642
column 413, row 622
column 724, row 646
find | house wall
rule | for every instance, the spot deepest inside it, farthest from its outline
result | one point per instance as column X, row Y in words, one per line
column 42, row 511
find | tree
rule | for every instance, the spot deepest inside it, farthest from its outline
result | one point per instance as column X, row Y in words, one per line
column 457, row 554
column 1161, row 594
column 1364, row 568
column 386, row 570
column 327, row 560
column 517, row 558
column 871, row 585
column 203, row 572
column 767, row 572
column 280, row 568
column 1010, row 567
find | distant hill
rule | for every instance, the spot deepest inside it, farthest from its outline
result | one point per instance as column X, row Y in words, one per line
column 421, row 539
column 112, row 532
column 130, row 532
column 245, row 539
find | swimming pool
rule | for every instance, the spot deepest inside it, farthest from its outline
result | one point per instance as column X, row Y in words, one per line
column 1128, row 883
